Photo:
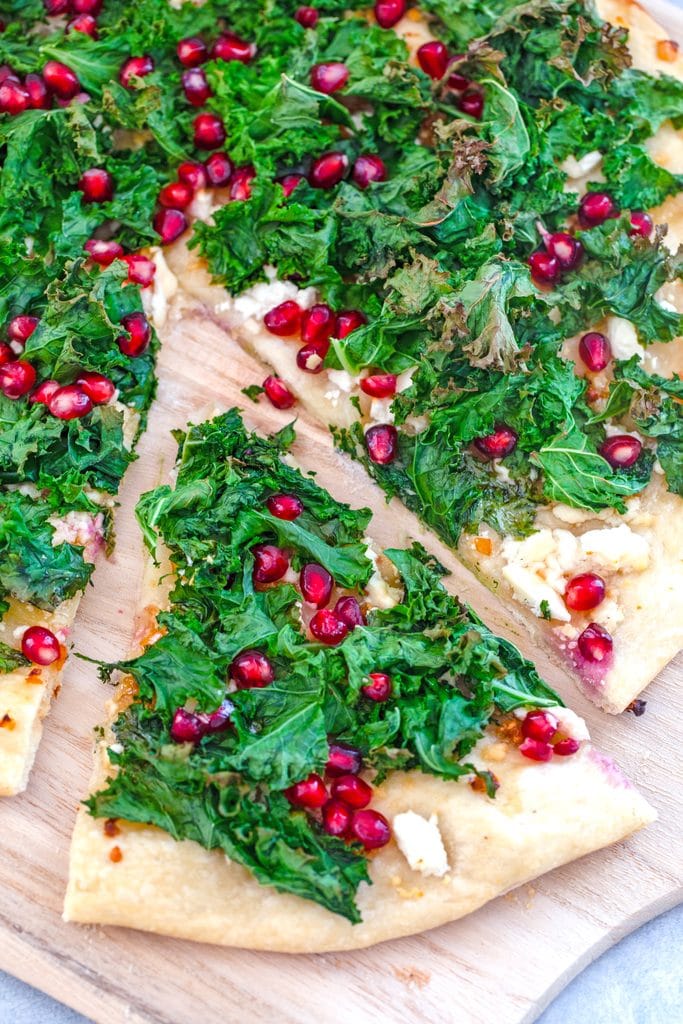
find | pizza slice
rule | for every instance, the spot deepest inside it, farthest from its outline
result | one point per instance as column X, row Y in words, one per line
column 503, row 355
column 318, row 747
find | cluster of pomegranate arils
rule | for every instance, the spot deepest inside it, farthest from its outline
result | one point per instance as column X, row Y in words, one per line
column 435, row 60
column 543, row 739
column 563, row 252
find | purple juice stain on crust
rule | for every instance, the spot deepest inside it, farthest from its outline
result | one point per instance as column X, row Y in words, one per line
column 591, row 673
column 614, row 774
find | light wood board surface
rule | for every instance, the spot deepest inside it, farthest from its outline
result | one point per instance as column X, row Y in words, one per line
column 502, row 964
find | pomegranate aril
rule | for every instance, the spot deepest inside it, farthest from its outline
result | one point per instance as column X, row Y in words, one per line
column 14, row 99
column 595, row 208
column 7, row 75
column 86, row 6
column 284, row 319
column 196, row 87
column 289, row 182
column 84, row 23
column 176, row 195
column 97, row 185
column 497, row 445
column 239, row 189
column 103, row 253
column 135, row 67
column 187, row 727
column 329, row 78
column 318, row 324
column 326, row 627
column 433, row 58
column 621, row 451
column 61, row 80
column 98, row 388
column 270, row 563
column 40, row 645
column 369, row 167
column 307, row 17
column 38, row 96
column 545, row 268
column 141, row 269
column 6, row 353
column 53, row 8
column 336, row 818
column 595, row 351
column 456, row 80
column 352, row 790
column 45, row 390
column 310, row 792
column 388, row 12
column 169, row 224
column 328, row 170
column 21, row 327
column 379, row 688
column 349, row 611
column 230, row 47
column 595, row 643
column 316, row 584
column 139, row 335
column 285, row 506
column 536, row 750
column 566, row 249
column 539, row 726
column 192, row 51
column 471, row 102
column 194, row 174
column 209, row 131
column 379, row 385
column 218, row 720
column 566, row 747
column 641, row 224
column 251, row 669
column 311, row 358
column 219, row 168
column 343, row 760
column 381, row 443
column 69, row 403
column 16, row 379
column 370, row 828
column 585, row 591
column 278, row 394
column 349, row 320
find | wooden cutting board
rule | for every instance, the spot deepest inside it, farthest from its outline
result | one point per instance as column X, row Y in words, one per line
column 504, row 963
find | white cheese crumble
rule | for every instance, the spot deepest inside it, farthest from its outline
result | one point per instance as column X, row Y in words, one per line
column 420, row 842
column 623, row 338
column 534, row 592
column 80, row 528
column 378, row 592
column 574, row 168
column 156, row 299
column 617, row 548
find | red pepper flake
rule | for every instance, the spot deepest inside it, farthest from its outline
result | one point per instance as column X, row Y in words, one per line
column 111, row 828
column 115, row 854
column 667, row 49
column 7, row 722
column 34, row 676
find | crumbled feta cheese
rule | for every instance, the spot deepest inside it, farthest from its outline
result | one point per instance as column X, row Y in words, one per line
column 571, row 724
column 574, row 168
column 405, row 379
column 203, row 204
column 380, row 410
column 156, row 299
column 131, row 420
column 81, row 528
column 534, row 592
column 617, row 548
column 574, row 516
column 421, row 843
column 623, row 338
column 343, row 380
column 501, row 471
column 377, row 591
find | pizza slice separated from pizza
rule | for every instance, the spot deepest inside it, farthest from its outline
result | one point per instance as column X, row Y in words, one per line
column 484, row 314
column 318, row 747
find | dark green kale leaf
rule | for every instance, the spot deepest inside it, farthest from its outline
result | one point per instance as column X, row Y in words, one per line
column 10, row 659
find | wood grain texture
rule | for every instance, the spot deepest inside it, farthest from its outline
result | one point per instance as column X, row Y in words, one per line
column 505, row 962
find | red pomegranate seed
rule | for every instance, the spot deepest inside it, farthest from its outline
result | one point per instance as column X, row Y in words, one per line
column 84, row 23
column 379, row 385
column 192, row 51
column 539, row 726
column 103, row 253
column 97, row 387
column 97, row 185
column 61, row 80
column 219, row 168
column 535, row 749
column 471, row 102
column 381, row 442
column 316, row 584
column 352, row 790
column 86, row 6
column 141, row 269
column 310, row 792
column 311, row 358
column 20, row 328
column 53, row 8
column 135, row 67
column 318, row 324
column 284, row 319
column 343, row 760
column 239, row 189
column 6, row 353
column 219, row 719
column 14, row 99
column 370, row 828
column 270, row 563
column 433, row 58
column 209, row 131
column 169, row 224
column 457, row 81
column 307, row 17
column 285, row 506
column 566, row 747
column 187, row 727
column 16, row 379
column 196, row 86
column 336, row 818
column 176, row 195
column 596, row 208
column 388, row 12
column 194, row 174
column 44, row 392
column 38, row 96
column 587, row 590
column 379, row 688
column 368, row 167
column 328, row 170
column 252, row 669
column 7, row 75
column 595, row 351
column 566, row 249
column 278, row 393
column 231, row 47
column 497, row 445
column 40, row 645
column 289, row 182
column 139, row 335
column 621, row 451
column 595, row 643
column 545, row 268
column 641, row 224
column 349, row 611
column 329, row 78
column 69, row 403
column 349, row 320
column 326, row 627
